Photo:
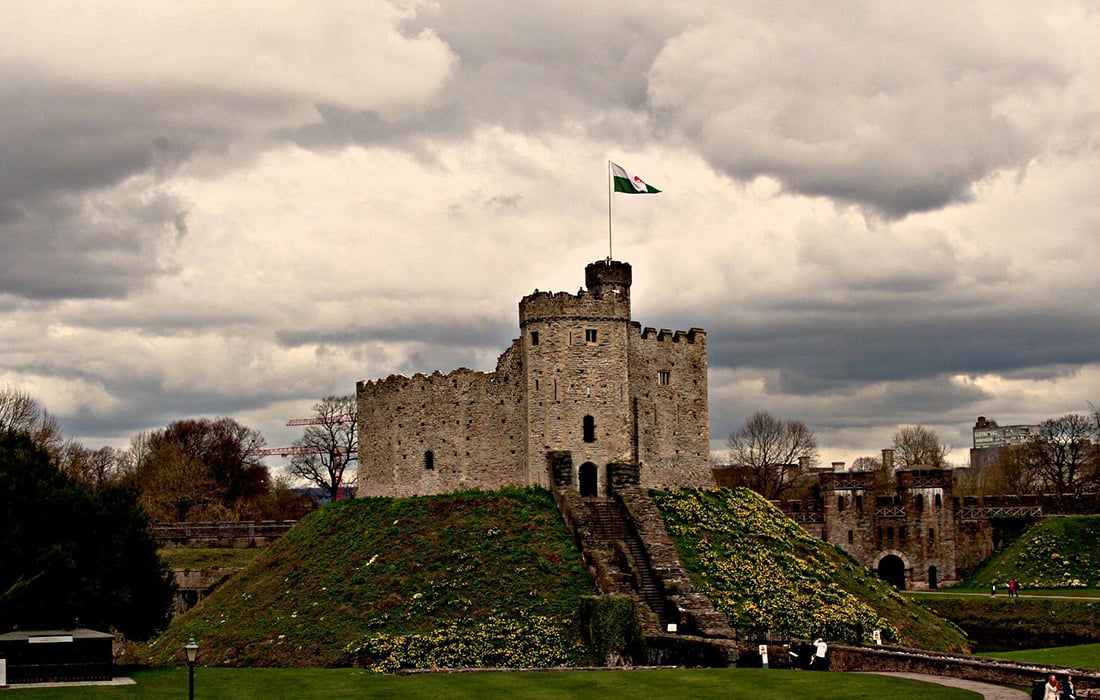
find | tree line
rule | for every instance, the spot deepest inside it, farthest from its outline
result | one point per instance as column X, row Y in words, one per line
column 76, row 543
column 774, row 457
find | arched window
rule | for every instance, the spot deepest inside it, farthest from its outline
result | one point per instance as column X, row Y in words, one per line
column 851, row 537
column 920, row 501
column 859, row 501
column 429, row 460
column 931, row 536
column 589, row 429
column 901, row 534
column 840, row 502
column 939, row 500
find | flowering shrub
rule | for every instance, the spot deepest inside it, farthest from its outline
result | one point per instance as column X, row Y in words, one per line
column 762, row 570
column 498, row 641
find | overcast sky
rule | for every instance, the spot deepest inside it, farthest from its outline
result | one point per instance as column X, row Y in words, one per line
column 883, row 213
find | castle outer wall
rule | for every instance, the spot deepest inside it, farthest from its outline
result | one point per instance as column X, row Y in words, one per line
column 582, row 378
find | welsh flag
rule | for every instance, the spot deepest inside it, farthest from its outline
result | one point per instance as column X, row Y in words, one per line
column 628, row 183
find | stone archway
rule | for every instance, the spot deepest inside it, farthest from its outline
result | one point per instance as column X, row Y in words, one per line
column 587, row 478
column 891, row 569
column 933, row 577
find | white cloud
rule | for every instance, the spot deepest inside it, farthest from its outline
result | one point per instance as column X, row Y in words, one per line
column 345, row 53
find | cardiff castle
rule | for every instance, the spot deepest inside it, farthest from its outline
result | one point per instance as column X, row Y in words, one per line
column 583, row 378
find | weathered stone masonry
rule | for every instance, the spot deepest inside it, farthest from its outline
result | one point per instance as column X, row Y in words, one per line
column 582, row 377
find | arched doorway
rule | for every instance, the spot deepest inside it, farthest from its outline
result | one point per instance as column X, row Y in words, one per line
column 933, row 577
column 891, row 569
column 587, row 477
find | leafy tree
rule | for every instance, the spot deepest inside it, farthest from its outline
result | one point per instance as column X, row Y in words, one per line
column 917, row 446
column 328, row 445
column 69, row 552
column 199, row 468
column 769, row 455
column 1010, row 472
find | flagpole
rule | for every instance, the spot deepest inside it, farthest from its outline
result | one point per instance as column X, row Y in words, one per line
column 609, row 181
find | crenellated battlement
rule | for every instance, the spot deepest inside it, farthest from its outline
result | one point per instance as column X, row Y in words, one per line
column 584, row 305
column 461, row 377
column 666, row 335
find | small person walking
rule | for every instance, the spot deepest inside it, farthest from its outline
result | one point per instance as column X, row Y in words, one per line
column 1051, row 690
column 1068, row 691
column 992, row 589
column 818, row 659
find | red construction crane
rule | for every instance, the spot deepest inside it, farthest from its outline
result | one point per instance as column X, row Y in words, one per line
column 298, row 450
column 345, row 418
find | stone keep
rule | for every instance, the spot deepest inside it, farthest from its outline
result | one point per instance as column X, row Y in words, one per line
column 582, row 378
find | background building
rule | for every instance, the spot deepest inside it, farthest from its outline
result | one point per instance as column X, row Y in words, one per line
column 990, row 439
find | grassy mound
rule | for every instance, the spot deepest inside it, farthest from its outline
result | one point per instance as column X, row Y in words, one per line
column 462, row 579
column 1053, row 553
column 763, row 570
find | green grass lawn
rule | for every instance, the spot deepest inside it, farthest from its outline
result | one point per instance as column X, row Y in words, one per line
column 1030, row 593
column 1080, row 656
column 307, row 684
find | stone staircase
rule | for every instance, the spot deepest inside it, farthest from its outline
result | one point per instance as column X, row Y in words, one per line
column 610, row 532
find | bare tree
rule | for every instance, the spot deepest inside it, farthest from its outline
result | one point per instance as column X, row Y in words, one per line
column 21, row 413
column 91, row 467
column 1062, row 456
column 917, row 446
column 769, row 455
column 329, row 444
column 884, row 479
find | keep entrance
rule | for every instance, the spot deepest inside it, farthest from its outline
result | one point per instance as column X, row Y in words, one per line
column 587, row 477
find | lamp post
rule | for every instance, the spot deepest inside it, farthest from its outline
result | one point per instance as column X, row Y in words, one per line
column 192, row 649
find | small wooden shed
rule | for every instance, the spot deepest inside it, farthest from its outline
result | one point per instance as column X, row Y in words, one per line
column 40, row 656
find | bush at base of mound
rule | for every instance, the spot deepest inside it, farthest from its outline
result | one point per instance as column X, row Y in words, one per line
column 495, row 642
column 764, row 571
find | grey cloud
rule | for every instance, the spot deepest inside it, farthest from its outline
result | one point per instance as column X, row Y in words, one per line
column 879, row 106
column 81, row 212
column 829, row 354
column 66, row 248
column 452, row 331
column 525, row 66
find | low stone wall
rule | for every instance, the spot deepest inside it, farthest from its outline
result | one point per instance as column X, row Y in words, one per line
column 845, row 658
column 221, row 534
column 192, row 585
column 691, row 652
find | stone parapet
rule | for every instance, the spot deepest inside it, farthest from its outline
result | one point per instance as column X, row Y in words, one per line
column 846, row 658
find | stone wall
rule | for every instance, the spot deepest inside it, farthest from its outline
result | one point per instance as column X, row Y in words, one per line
column 668, row 384
column 441, row 432
column 845, row 658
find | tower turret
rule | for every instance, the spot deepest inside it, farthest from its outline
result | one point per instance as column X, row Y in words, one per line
column 608, row 277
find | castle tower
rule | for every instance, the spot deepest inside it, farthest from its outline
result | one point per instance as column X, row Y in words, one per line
column 576, row 372
column 581, row 379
